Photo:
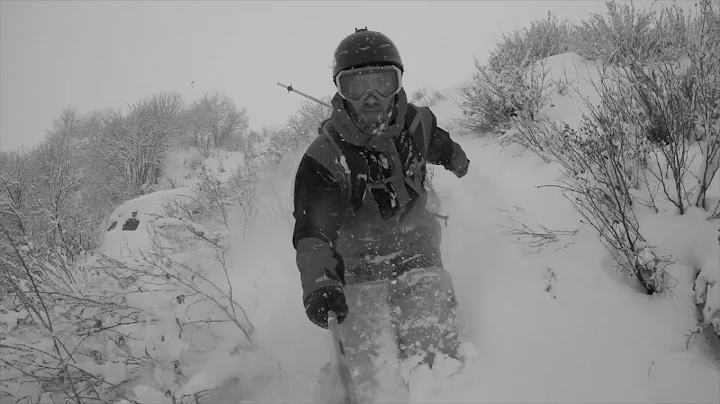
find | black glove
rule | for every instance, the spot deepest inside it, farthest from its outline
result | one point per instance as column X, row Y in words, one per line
column 459, row 171
column 459, row 163
column 319, row 302
column 462, row 171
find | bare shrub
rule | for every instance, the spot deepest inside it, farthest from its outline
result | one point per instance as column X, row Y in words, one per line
column 540, row 40
column 707, row 291
column 668, row 119
column 485, row 105
column 91, row 333
column 421, row 97
column 515, row 80
column 495, row 99
column 628, row 34
column 675, row 104
column 74, row 328
column 704, row 92
column 600, row 161
column 304, row 122
column 638, row 139
column 41, row 192
column 214, row 196
column 215, row 121
column 536, row 238
column 105, row 161
column 61, row 330
column 301, row 128
column 604, row 161
column 151, row 130
column 242, row 184
column 55, row 183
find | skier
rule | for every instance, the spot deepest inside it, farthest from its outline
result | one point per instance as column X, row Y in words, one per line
column 361, row 201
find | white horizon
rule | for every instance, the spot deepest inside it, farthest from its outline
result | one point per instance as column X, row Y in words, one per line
column 100, row 55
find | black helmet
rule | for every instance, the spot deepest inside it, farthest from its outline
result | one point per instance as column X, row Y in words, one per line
column 364, row 48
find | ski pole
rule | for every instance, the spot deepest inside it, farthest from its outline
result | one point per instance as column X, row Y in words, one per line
column 290, row 88
column 341, row 360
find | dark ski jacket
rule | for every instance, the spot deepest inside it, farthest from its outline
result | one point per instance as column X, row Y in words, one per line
column 358, row 195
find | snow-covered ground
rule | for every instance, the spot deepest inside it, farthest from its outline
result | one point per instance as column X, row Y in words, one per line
column 552, row 324
column 556, row 325
column 183, row 166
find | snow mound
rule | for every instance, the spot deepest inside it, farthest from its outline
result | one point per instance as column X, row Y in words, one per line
column 129, row 228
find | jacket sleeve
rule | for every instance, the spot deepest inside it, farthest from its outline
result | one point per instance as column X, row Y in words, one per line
column 442, row 150
column 318, row 212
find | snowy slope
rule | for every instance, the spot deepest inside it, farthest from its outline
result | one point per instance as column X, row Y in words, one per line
column 557, row 325
column 182, row 166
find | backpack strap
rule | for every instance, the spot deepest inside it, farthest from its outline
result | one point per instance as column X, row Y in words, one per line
column 326, row 151
column 420, row 128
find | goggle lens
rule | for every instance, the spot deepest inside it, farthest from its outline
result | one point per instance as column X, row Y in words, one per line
column 352, row 84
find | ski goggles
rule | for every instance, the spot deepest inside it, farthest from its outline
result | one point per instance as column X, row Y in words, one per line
column 354, row 84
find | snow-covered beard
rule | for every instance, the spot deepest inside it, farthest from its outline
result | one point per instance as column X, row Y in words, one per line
column 376, row 127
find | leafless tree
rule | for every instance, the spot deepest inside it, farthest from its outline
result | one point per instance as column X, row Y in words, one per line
column 213, row 121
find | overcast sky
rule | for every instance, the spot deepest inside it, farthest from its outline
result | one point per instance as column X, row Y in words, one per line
column 106, row 54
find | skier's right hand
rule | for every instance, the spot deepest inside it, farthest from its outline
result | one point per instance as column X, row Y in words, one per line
column 319, row 302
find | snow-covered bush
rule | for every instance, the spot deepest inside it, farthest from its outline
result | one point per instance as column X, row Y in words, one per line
column 602, row 162
column 535, row 239
column 57, row 328
column 672, row 110
column 90, row 163
column 494, row 98
column 641, row 145
column 216, row 199
column 115, row 329
column 301, row 128
column 41, row 195
column 97, row 338
column 421, row 97
column 515, row 81
column 147, row 328
column 707, row 298
column 627, row 33
column 649, row 102
column 677, row 103
column 242, row 183
column 139, row 143
column 667, row 115
column 540, row 40
column 485, row 104
column 704, row 91
column 214, row 121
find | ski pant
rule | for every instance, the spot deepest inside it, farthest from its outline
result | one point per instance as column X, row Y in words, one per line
column 421, row 306
column 402, row 273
